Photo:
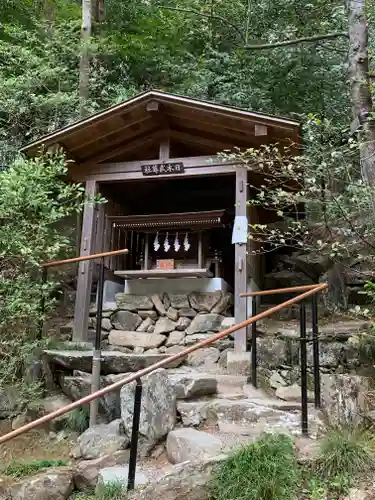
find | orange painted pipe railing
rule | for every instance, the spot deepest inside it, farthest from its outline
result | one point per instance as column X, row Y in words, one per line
column 83, row 258
column 160, row 364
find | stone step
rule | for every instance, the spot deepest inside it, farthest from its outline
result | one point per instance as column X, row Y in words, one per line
column 112, row 361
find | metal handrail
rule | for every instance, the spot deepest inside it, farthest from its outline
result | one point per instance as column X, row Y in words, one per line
column 160, row 364
column 96, row 359
column 84, row 258
column 260, row 293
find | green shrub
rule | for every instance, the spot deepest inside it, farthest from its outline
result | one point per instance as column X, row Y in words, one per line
column 21, row 469
column 78, row 419
column 111, row 491
column 265, row 470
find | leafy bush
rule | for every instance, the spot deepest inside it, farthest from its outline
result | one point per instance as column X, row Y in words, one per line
column 264, row 470
column 22, row 469
column 78, row 419
column 34, row 199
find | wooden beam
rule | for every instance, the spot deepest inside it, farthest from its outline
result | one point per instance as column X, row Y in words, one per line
column 164, row 149
column 84, row 280
column 197, row 139
column 240, row 262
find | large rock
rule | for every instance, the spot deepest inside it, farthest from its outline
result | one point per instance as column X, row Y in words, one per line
column 79, row 386
column 112, row 361
column 187, row 312
column 136, row 339
column 118, row 475
column 344, row 399
column 146, row 323
column 164, row 325
column 178, row 300
column 204, row 301
column 189, row 480
column 189, row 444
column 158, row 410
column 172, row 313
column 54, row 403
column 204, row 356
column 203, row 323
column 191, row 385
column 192, row 413
column 224, row 304
column 101, row 440
column 10, row 402
column 87, row 471
column 50, row 484
column 131, row 302
column 330, row 354
column 126, row 320
column 293, row 393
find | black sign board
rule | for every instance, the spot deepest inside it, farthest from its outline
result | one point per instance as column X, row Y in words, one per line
column 163, row 168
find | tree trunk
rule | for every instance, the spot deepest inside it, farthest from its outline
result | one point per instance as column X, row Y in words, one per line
column 84, row 66
column 362, row 103
column 99, row 11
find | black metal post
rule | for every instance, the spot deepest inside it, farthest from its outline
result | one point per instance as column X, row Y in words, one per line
column 134, row 438
column 96, row 358
column 42, row 303
column 315, row 332
column 254, row 345
column 303, row 339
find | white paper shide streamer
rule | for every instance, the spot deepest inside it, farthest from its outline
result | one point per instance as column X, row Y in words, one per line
column 156, row 242
column 186, row 243
column 167, row 246
column 176, row 244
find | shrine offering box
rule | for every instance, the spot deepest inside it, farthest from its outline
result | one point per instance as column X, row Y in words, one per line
column 165, row 264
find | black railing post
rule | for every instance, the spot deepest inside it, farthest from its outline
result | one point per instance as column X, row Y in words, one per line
column 96, row 358
column 303, row 340
column 316, row 361
column 134, row 438
column 42, row 303
column 254, row 345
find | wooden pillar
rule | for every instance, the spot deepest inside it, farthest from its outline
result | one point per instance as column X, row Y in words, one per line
column 240, row 261
column 84, row 280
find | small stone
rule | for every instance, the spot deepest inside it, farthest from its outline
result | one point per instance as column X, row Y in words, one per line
column 87, row 471
column 164, row 325
column 166, row 301
column 193, row 385
column 276, row 381
column 106, row 324
column 174, row 338
column 139, row 350
column 154, row 350
column 136, row 339
column 182, row 323
column 192, row 413
column 204, row 356
column 189, row 444
column 203, row 323
column 175, row 349
column 143, row 327
column 272, row 352
column 130, row 302
column 158, row 451
column 224, row 357
column 179, row 301
column 172, row 314
column 239, row 363
column 118, row 475
column 293, row 393
column 227, row 323
column 126, row 320
column 148, row 314
column 159, row 306
column 151, row 329
column 187, row 312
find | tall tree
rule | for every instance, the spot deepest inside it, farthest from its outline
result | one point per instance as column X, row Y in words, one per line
column 84, row 66
column 362, row 102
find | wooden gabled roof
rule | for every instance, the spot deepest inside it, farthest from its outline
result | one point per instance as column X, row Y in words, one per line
column 135, row 124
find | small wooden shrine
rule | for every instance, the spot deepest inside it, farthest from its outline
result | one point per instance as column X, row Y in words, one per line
column 179, row 208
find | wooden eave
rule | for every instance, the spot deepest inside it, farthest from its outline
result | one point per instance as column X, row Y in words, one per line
column 154, row 222
column 141, row 121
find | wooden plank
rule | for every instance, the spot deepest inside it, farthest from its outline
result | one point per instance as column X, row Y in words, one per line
column 134, row 176
column 199, row 139
column 84, row 280
column 240, row 262
column 164, row 149
column 164, row 273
